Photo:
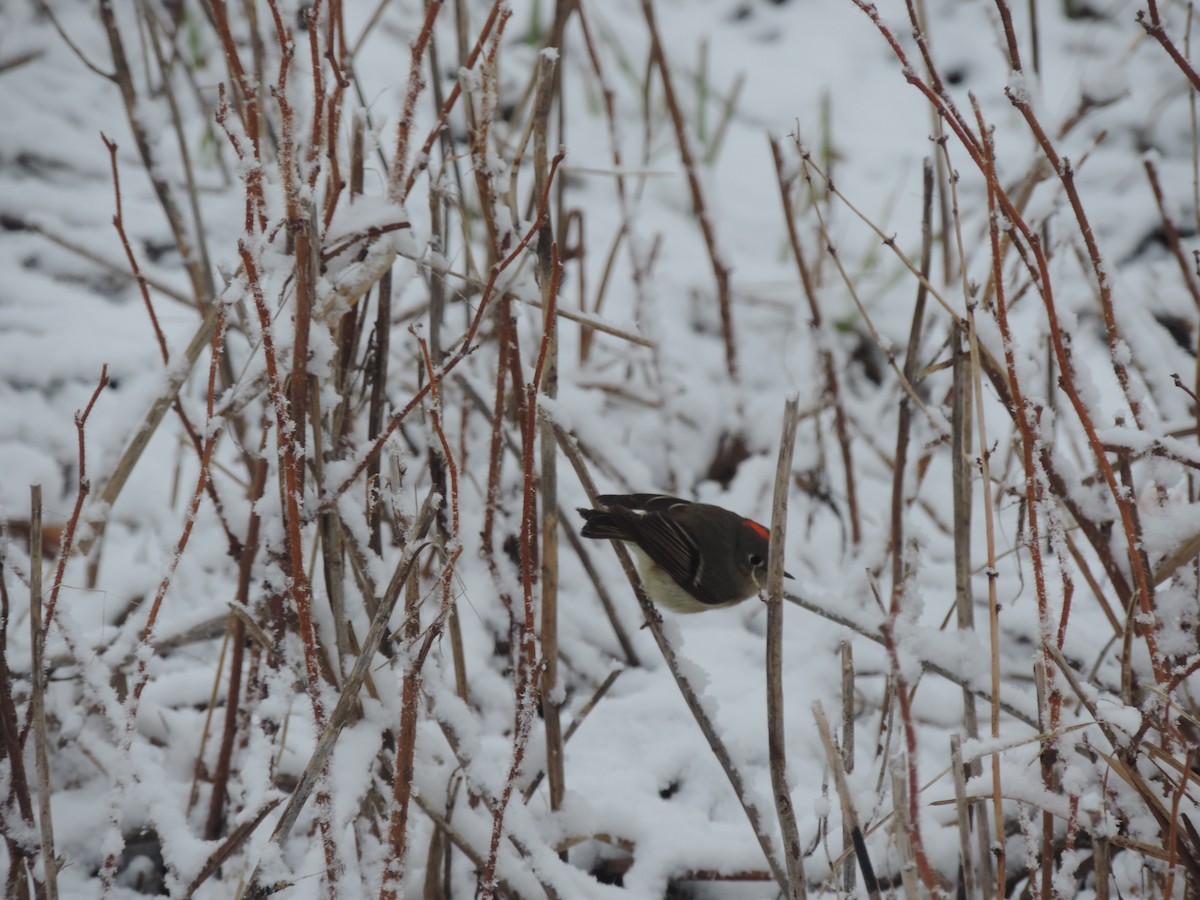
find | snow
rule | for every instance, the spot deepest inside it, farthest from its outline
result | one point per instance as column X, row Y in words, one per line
column 651, row 404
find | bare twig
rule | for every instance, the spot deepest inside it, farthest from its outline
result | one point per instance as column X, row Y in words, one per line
column 176, row 377
column 832, row 382
column 849, row 813
column 847, row 758
column 1154, row 27
column 793, row 852
column 966, row 863
column 220, row 778
column 529, row 673
column 162, row 189
column 700, row 207
column 37, row 697
column 22, row 857
column 349, row 694
column 68, row 536
column 416, row 83
column 547, row 251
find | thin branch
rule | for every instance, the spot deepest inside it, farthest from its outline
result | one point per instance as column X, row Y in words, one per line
column 793, row 852
column 716, row 258
column 37, row 697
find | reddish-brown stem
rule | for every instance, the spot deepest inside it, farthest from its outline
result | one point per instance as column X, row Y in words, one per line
column 1010, row 35
column 410, row 691
column 406, row 739
column 288, row 164
column 527, row 668
column 85, row 487
column 912, row 822
column 255, row 205
column 306, row 279
column 299, row 591
column 248, row 110
column 118, row 221
column 828, row 364
column 1154, row 28
column 416, row 84
column 22, row 854
column 506, row 341
column 499, row 12
column 319, row 109
column 214, row 822
column 290, row 464
column 1041, row 273
column 479, row 118
column 699, row 206
column 1173, row 832
column 1171, row 232
column 378, row 376
column 335, row 53
column 466, row 346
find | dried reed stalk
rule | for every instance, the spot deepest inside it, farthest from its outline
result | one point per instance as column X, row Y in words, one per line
column 37, row 697
column 793, row 852
column 849, row 813
column 348, row 697
column 547, row 250
column 700, row 209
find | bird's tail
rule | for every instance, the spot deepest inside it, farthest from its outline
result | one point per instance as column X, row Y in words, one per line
column 598, row 523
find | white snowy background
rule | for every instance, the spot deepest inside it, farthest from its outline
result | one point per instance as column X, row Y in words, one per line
column 134, row 715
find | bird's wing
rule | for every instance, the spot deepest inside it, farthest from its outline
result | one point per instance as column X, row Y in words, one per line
column 645, row 503
column 669, row 547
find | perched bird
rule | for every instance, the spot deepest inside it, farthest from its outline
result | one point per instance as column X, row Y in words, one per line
column 692, row 556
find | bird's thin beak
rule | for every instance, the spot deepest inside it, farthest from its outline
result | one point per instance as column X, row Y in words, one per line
column 786, row 575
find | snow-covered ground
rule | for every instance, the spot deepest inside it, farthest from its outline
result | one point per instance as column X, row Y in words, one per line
column 1079, row 537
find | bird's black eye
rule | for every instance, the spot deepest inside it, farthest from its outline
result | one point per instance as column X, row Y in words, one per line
column 755, row 560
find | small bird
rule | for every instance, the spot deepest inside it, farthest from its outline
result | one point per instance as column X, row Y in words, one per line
column 692, row 556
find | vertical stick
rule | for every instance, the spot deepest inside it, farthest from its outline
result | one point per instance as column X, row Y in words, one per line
column 960, row 485
column 993, row 596
column 1103, row 858
column 356, row 155
column 406, row 742
column 848, row 870
column 904, row 418
column 220, row 779
column 307, row 262
column 439, row 226
column 699, row 206
column 828, row 364
column 776, row 749
column 378, row 377
column 548, row 445
column 37, row 699
column 902, row 830
column 20, row 801
column 966, row 863
column 849, row 815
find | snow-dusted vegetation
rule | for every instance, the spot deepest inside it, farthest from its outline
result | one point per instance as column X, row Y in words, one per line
column 319, row 321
